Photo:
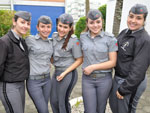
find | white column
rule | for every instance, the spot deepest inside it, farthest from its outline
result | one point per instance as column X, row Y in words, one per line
column 12, row 4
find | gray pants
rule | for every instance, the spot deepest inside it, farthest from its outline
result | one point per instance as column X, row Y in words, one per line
column 12, row 96
column 122, row 106
column 61, row 90
column 95, row 93
column 39, row 91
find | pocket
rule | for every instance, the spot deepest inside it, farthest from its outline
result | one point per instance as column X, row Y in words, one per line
column 101, row 51
column 36, row 50
column 84, row 49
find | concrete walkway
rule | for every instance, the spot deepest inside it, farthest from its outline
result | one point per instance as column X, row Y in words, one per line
column 143, row 106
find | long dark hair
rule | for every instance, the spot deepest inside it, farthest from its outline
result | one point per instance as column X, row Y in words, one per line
column 68, row 37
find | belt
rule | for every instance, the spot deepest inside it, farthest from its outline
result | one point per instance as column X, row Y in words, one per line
column 38, row 77
column 97, row 75
column 60, row 68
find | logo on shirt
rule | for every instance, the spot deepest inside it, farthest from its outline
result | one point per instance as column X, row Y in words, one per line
column 126, row 44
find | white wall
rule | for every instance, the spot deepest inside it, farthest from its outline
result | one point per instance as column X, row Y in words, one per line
column 127, row 4
column 110, row 15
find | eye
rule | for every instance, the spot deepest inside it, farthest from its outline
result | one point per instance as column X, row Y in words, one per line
column 23, row 22
column 29, row 23
column 139, row 18
column 98, row 21
column 65, row 27
column 59, row 25
column 91, row 22
column 48, row 26
column 131, row 16
column 42, row 26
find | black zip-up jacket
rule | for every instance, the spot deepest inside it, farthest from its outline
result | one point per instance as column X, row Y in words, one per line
column 14, row 62
column 132, row 60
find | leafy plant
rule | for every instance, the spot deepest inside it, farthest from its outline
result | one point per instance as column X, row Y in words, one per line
column 5, row 21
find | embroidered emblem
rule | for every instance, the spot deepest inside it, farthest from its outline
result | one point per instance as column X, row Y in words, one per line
column 126, row 44
column 77, row 42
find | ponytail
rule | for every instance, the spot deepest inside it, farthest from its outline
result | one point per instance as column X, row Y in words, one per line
column 67, row 38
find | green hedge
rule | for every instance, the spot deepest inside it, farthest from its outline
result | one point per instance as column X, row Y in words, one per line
column 81, row 24
column 5, row 21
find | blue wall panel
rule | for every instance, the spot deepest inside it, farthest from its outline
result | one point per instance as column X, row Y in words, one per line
column 37, row 11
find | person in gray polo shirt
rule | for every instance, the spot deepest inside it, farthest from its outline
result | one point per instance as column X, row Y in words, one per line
column 40, row 52
column 66, row 58
column 99, row 51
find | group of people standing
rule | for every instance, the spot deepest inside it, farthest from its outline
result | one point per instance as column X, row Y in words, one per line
column 99, row 51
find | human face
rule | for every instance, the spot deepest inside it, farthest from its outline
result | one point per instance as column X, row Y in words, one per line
column 95, row 26
column 135, row 21
column 63, row 29
column 44, row 30
column 21, row 26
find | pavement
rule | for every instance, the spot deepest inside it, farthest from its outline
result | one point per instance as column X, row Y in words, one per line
column 143, row 106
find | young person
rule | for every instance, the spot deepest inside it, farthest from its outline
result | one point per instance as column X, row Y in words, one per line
column 14, row 64
column 40, row 52
column 67, row 57
column 99, row 51
column 132, row 62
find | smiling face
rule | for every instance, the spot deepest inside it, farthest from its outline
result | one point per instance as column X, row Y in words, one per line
column 63, row 29
column 95, row 26
column 21, row 26
column 135, row 21
column 44, row 30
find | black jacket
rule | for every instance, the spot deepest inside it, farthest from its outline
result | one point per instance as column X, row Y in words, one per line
column 132, row 60
column 14, row 62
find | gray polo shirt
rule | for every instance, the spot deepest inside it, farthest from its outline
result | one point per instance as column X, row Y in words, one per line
column 40, row 52
column 64, row 58
column 95, row 50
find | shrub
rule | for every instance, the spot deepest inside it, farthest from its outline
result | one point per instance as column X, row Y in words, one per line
column 103, row 11
column 81, row 24
column 6, row 17
column 5, row 21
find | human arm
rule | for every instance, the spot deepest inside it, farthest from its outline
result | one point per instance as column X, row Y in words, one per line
column 3, row 56
column 138, row 67
column 77, row 54
column 102, row 66
column 77, row 63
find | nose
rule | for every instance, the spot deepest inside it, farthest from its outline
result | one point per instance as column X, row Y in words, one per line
column 27, row 26
column 133, row 19
column 95, row 24
column 61, row 28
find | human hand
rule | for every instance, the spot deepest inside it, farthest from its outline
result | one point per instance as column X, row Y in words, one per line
column 60, row 77
column 88, row 70
column 119, row 96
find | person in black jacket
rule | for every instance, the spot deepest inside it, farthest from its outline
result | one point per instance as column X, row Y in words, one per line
column 132, row 62
column 14, row 64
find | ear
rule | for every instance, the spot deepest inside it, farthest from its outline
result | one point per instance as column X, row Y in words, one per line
column 14, row 22
column 37, row 27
